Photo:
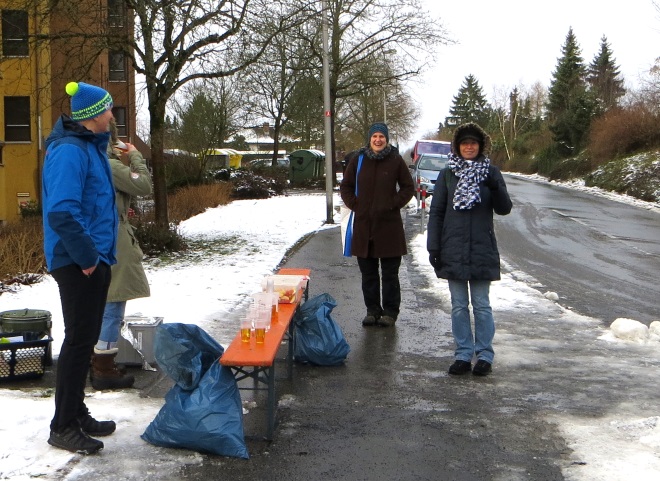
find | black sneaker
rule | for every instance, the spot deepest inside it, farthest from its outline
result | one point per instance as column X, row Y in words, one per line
column 75, row 440
column 369, row 320
column 92, row 427
column 386, row 321
column 460, row 367
column 482, row 368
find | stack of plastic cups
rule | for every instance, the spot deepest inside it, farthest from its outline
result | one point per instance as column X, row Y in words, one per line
column 275, row 299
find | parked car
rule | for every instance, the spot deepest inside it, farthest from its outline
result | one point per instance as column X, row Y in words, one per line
column 425, row 171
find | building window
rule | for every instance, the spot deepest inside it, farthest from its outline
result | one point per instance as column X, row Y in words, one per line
column 120, row 119
column 17, row 119
column 15, row 33
column 117, row 62
column 116, row 13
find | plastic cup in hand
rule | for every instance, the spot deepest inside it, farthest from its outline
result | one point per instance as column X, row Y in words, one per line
column 121, row 146
column 246, row 329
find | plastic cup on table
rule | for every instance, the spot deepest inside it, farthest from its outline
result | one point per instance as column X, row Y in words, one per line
column 246, row 329
column 260, row 330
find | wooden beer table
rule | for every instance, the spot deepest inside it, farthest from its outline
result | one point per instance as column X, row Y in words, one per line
column 257, row 361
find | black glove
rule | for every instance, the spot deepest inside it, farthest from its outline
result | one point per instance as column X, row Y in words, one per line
column 491, row 183
column 434, row 259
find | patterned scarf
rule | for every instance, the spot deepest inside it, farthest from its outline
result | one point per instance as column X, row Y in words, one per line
column 470, row 173
column 380, row 155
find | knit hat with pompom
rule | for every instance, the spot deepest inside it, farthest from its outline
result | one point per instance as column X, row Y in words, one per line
column 87, row 101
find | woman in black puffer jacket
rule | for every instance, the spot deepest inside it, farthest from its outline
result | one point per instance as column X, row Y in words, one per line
column 462, row 246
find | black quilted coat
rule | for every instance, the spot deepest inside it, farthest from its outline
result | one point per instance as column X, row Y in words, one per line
column 465, row 239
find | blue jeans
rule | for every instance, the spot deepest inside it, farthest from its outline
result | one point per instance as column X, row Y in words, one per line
column 112, row 318
column 484, row 324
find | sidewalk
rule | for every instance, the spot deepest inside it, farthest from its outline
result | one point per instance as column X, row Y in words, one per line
column 391, row 412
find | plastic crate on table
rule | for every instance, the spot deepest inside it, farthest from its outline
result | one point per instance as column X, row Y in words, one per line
column 23, row 359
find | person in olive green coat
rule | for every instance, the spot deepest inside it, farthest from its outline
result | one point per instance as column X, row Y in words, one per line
column 128, row 278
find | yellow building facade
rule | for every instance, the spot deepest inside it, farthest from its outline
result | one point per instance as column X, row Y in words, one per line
column 25, row 107
column 40, row 52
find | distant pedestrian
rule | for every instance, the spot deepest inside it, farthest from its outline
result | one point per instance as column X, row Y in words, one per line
column 377, row 184
column 462, row 246
column 128, row 278
column 80, row 233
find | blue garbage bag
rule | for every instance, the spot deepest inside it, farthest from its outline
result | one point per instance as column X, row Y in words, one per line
column 318, row 339
column 203, row 410
column 185, row 352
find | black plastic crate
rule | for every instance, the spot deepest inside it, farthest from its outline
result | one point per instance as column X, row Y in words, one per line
column 23, row 360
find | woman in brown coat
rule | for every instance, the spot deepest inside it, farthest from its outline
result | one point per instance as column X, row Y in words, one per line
column 376, row 194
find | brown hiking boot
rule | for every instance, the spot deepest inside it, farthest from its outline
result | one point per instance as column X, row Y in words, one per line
column 105, row 374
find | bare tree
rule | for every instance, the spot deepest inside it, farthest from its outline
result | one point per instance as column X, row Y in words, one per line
column 207, row 116
column 178, row 41
column 271, row 83
column 386, row 29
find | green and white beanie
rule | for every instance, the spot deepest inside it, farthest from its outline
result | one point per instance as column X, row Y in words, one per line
column 87, row 101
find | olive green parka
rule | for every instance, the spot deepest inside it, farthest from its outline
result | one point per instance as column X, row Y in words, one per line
column 128, row 278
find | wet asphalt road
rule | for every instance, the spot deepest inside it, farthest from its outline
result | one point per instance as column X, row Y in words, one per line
column 601, row 256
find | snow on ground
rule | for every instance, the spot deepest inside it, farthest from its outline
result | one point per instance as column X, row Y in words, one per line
column 209, row 287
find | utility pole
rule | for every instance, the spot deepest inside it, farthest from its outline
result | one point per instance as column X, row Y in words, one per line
column 329, row 177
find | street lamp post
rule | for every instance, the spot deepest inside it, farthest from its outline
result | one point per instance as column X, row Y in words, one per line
column 329, row 177
column 391, row 51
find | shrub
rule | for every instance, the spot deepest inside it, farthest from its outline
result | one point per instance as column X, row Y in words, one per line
column 22, row 252
column 252, row 185
column 182, row 170
column 192, row 200
column 31, row 209
column 623, row 131
column 155, row 240
column 570, row 168
column 638, row 176
column 277, row 176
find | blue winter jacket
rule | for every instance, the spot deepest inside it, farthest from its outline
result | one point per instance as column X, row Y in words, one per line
column 79, row 212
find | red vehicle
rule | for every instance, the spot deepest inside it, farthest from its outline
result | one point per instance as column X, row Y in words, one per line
column 437, row 147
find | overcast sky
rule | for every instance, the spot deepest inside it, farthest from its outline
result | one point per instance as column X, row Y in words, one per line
column 512, row 42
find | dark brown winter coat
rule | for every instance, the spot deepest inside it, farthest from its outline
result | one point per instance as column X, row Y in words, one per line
column 385, row 186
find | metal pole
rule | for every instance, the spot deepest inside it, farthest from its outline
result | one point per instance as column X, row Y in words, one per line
column 423, row 209
column 329, row 177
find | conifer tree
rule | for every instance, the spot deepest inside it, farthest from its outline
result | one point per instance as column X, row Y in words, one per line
column 605, row 79
column 570, row 105
column 470, row 105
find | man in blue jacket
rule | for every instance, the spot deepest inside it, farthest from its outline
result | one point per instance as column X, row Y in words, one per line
column 80, row 232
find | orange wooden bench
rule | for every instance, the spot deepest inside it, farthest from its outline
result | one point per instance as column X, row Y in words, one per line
column 257, row 361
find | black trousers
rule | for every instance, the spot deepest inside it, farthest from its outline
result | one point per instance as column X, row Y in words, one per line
column 83, row 301
column 371, row 285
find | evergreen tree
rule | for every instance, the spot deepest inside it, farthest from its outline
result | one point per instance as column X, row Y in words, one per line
column 469, row 105
column 605, row 79
column 570, row 105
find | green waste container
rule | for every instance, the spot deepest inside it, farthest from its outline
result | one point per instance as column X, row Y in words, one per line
column 35, row 321
column 306, row 165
